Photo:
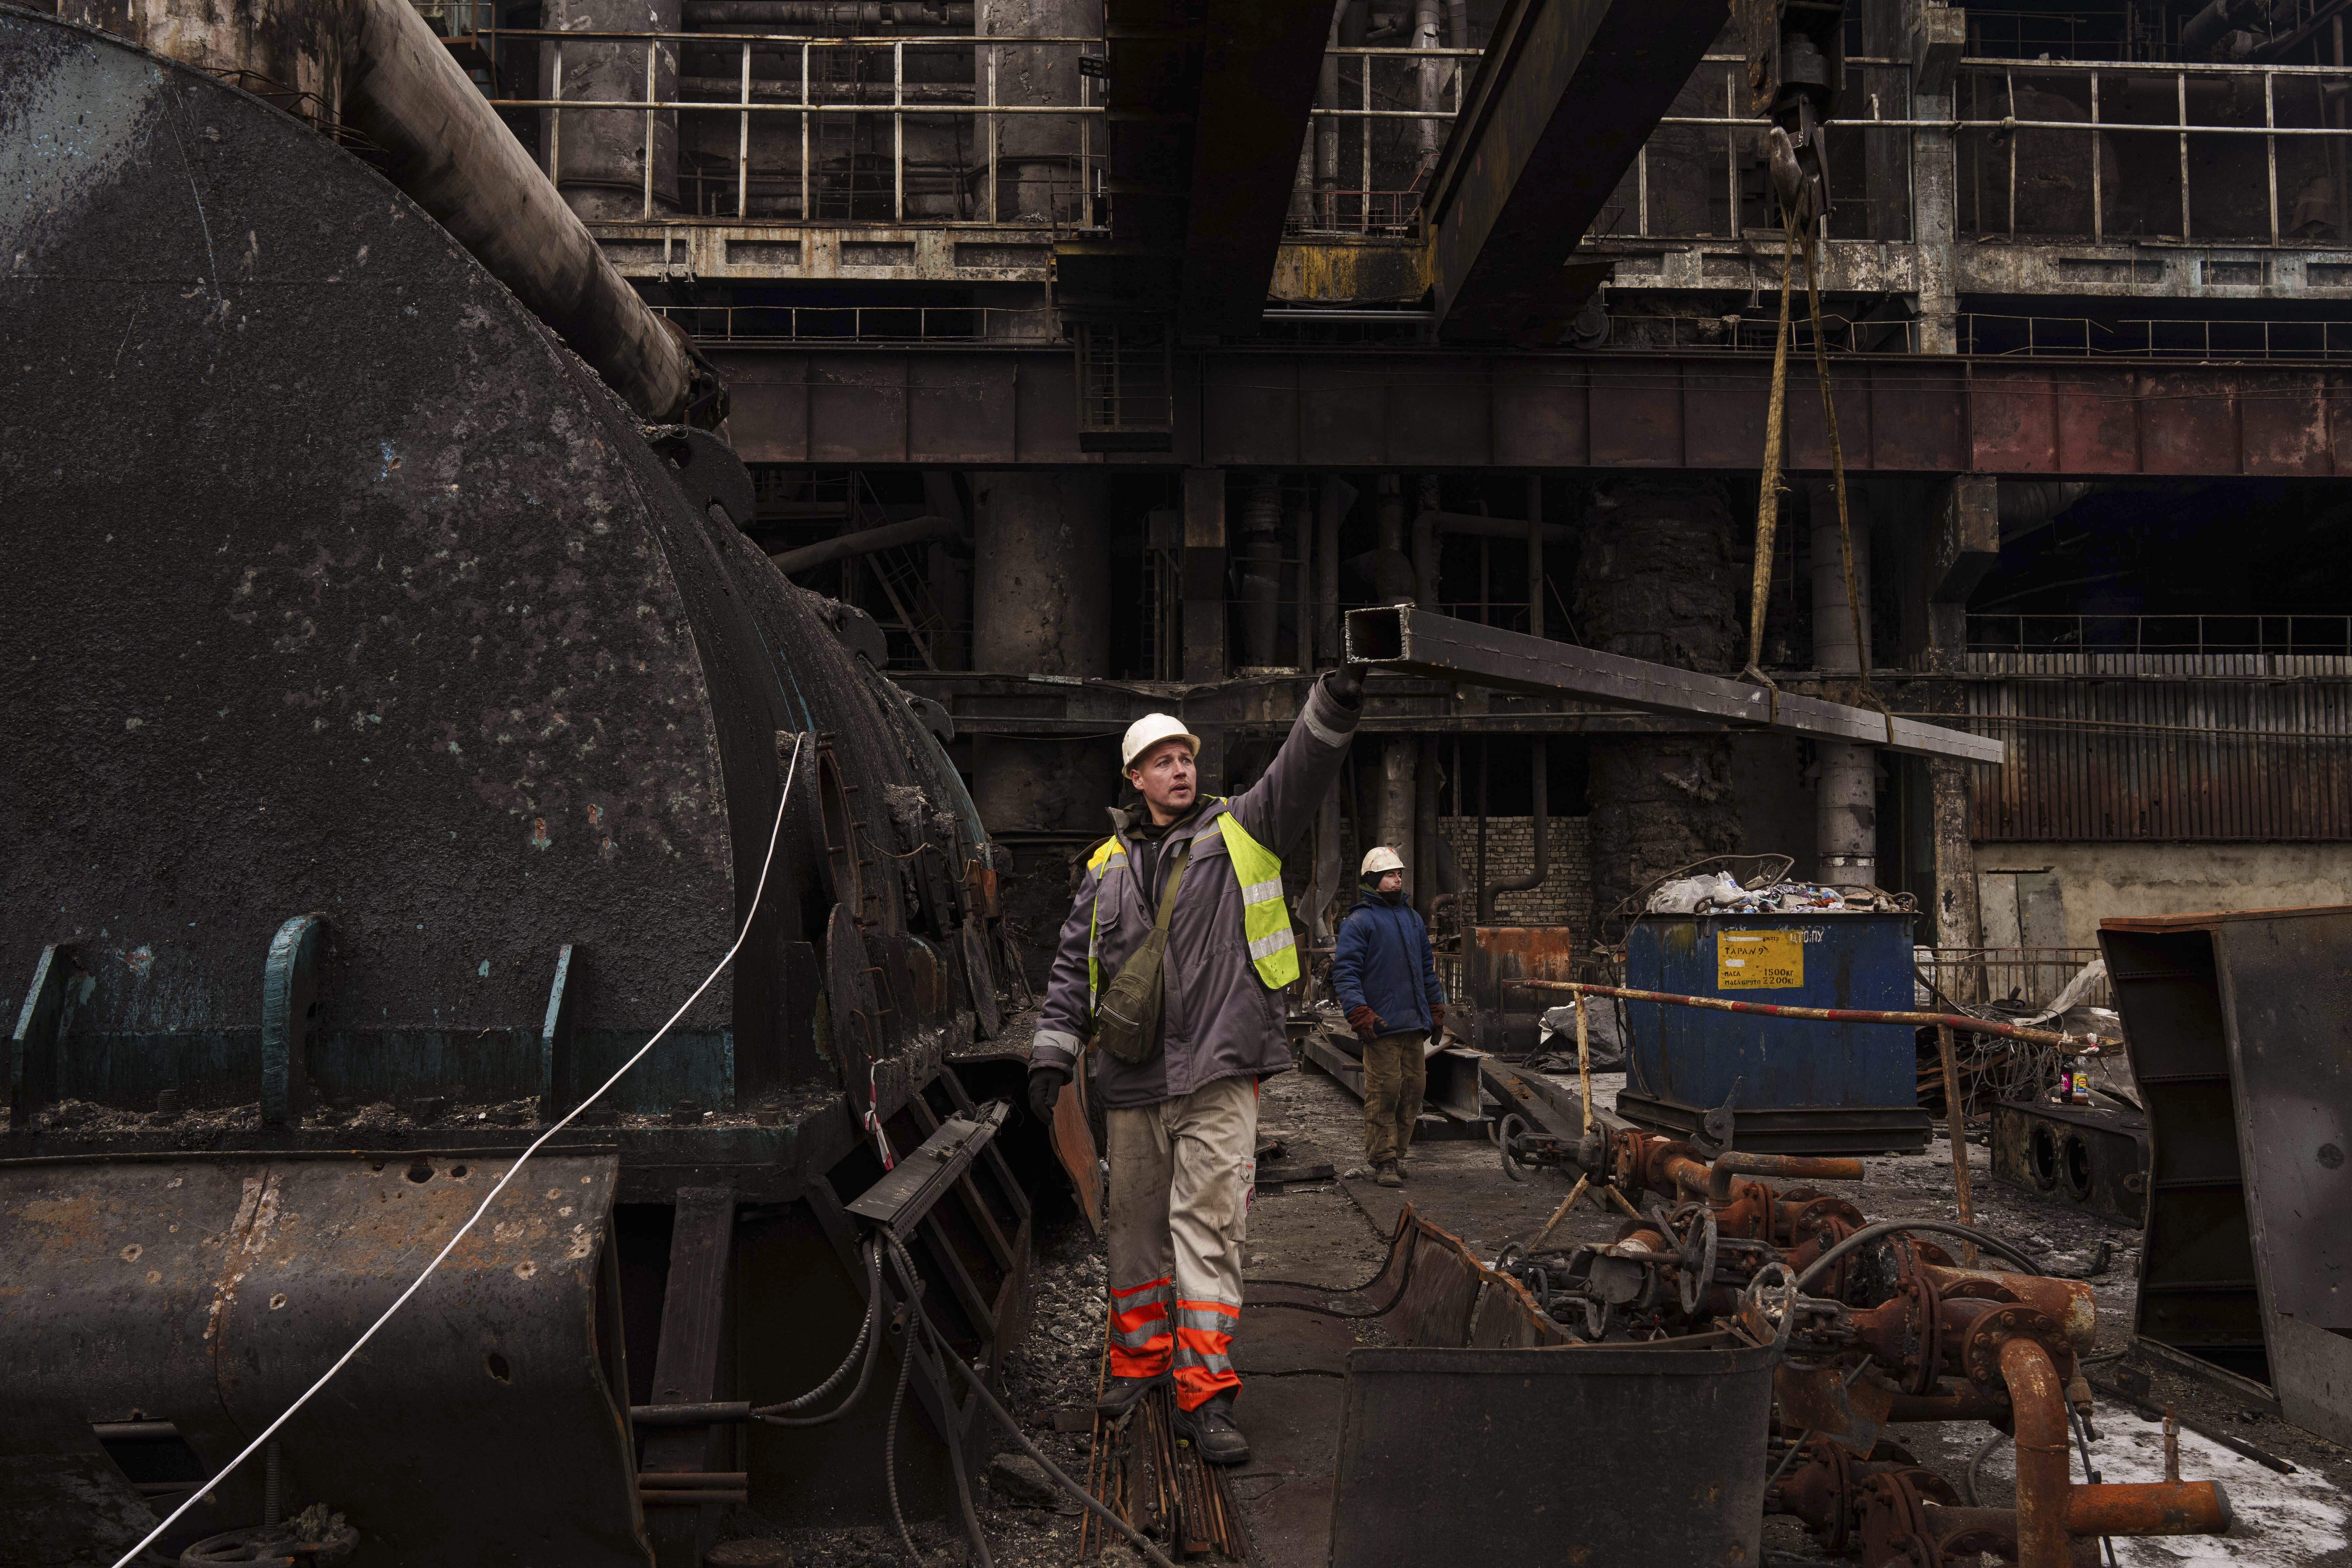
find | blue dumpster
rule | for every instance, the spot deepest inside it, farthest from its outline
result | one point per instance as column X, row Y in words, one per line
column 1802, row 1087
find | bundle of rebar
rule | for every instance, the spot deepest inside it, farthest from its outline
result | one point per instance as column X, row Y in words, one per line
column 1161, row 1487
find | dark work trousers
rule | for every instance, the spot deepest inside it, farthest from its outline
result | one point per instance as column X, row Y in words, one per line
column 1395, row 1073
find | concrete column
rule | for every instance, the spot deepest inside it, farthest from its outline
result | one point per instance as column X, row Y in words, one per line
column 1534, row 556
column 600, row 153
column 1205, row 574
column 1846, row 816
column 1933, row 33
column 1424, row 545
column 1037, row 176
column 1959, row 921
column 1392, row 810
column 1041, row 605
column 1332, row 508
column 1261, row 573
column 1422, row 856
column 1659, row 579
column 1391, row 514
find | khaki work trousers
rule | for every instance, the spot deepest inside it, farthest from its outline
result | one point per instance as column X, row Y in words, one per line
column 1395, row 1074
column 1180, row 1174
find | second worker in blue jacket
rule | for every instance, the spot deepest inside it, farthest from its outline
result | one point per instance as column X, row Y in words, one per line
column 1386, row 975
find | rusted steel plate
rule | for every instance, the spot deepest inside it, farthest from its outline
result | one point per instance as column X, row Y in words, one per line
column 1446, row 1296
column 1444, row 1453
column 211, row 1292
column 1726, row 411
column 1542, row 415
column 1416, row 407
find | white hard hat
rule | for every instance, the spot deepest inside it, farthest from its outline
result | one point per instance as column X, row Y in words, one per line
column 1149, row 731
column 1382, row 860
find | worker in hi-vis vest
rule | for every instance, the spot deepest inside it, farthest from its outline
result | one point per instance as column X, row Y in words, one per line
column 1183, row 1113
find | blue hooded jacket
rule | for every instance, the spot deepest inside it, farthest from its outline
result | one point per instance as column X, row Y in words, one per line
column 1382, row 961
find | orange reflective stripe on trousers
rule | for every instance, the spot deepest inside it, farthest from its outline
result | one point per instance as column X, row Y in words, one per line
column 1204, row 1338
column 1140, row 1343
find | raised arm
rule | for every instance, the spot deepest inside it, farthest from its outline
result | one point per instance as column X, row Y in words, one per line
column 1277, row 809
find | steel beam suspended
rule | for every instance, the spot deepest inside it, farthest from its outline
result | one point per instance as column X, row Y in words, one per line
column 1565, row 96
column 1258, row 87
column 1420, row 642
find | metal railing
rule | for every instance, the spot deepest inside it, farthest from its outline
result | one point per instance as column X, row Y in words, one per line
column 1397, row 112
column 2192, row 634
column 1972, row 976
column 2285, row 107
column 802, row 98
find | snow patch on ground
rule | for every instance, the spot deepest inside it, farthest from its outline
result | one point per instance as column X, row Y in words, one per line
column 2277, row 1521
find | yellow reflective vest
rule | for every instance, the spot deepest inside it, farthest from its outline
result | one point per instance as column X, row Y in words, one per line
column 1266, row 920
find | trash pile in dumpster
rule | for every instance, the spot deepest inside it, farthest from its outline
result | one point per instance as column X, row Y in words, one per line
column 1721, row 893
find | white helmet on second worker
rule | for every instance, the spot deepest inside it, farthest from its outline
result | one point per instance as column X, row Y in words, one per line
column 1380, row 862
column 1149, row 731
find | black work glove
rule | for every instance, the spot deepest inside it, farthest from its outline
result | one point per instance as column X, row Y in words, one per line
column 1045, row 1087
column 1437, row 1021
column 1346, row 685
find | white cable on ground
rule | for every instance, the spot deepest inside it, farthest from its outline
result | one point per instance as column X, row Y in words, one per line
column 325, row 1377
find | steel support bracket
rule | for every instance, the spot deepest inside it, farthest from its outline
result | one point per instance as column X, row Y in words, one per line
column 58, row 984
column 289, row 1019
column 557, row 1092
column 899, row 1201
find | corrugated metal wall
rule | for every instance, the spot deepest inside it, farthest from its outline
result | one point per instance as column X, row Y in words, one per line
column 2144, row 747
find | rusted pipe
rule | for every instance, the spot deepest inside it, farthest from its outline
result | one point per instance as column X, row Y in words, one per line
column 2037, row 1401
column 1540, row 826
column 1812, row 1167
column 2149, row 1507
column 2066, row 1302
column 2073, row 1045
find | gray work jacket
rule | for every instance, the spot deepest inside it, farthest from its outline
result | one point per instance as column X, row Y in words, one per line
column 1217, row 1018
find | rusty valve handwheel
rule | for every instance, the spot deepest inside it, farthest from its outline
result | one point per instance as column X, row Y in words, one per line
column 1514, row 1128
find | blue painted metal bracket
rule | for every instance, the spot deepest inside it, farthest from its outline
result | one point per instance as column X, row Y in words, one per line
column 58, row 984
column 289, row 1019
column 557, row 1092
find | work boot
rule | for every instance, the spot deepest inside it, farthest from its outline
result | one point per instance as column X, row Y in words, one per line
column 1389, row 1175
column 1120, row 1394
column 1212, row 1430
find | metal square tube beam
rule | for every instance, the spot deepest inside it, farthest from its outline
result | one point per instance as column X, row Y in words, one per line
column 1407, row 641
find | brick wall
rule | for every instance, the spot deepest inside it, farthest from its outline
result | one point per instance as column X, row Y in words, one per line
column 1566, row 897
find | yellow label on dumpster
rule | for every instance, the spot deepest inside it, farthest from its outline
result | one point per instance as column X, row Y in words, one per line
column 1759, row 960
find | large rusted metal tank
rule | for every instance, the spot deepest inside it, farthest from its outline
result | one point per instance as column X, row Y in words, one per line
column 397, row 729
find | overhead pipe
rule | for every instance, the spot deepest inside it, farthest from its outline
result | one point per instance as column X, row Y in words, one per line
column 382, row 71
column 865, row 542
